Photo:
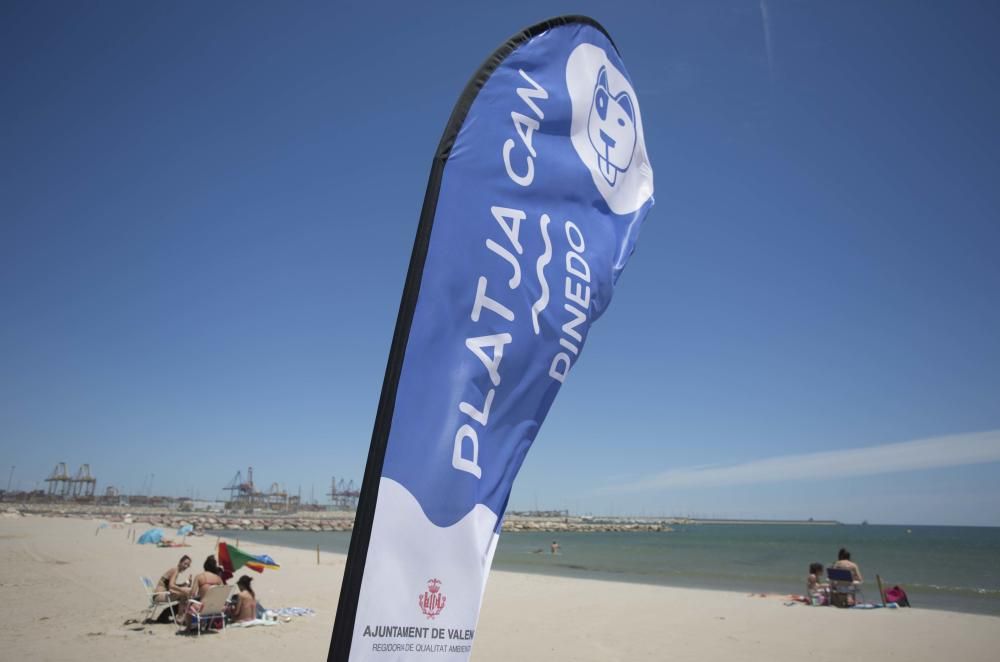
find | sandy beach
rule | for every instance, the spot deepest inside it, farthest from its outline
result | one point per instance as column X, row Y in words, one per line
column 65, row 594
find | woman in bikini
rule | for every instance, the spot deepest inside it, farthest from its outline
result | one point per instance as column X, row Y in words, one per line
column 171, row 587
column 245, row 608
column 212, row 576
column 170, row 582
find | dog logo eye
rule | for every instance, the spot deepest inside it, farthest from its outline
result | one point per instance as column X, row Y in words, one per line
column 601, row 104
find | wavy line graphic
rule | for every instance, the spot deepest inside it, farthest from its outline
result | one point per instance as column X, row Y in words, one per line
column 543, row 261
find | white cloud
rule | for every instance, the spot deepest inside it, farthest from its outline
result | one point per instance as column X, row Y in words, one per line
column 934, row 453
column 766, row 22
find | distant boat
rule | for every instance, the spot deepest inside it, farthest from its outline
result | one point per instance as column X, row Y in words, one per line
column 864, row 523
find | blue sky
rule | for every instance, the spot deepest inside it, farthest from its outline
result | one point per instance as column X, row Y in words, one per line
column 206, row 213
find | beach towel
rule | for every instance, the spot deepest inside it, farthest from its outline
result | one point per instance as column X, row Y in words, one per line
column 253, row 623
column 294, row 611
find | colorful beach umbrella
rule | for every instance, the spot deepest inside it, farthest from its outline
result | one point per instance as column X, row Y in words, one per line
column 185, row 530
column 262, row 561
column 232, row 558
column 151, row 537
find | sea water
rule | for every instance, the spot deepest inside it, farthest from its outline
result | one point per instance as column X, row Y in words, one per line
column 940, row 567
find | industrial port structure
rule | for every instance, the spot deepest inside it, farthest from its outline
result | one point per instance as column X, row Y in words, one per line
column 63, row 486
column 243, row 495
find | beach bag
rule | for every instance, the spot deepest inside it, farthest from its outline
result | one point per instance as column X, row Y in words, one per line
column 898, row 595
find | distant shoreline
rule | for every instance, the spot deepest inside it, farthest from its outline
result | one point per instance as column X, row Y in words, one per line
column 343, row 520
column 792, row 522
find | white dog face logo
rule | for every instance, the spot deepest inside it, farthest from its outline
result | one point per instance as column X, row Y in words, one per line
column 606, row 129
column 611, row 128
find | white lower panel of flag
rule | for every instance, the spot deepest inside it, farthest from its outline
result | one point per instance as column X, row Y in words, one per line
column 423, row 584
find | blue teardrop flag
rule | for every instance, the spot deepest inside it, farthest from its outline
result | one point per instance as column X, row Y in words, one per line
column 536, row 195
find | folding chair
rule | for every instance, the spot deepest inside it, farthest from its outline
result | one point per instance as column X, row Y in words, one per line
column 844, row 591
column 212, row 605
column 155, row 599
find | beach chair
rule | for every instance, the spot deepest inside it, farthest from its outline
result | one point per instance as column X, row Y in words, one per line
column 844, row 591
column 155, row 599
column 211, row 606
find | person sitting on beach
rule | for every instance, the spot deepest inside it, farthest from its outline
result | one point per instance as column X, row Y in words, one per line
column 817, row 590
column 169, row 582
column 245, row 608
column 212, row 576
column 844, row 562
column 171, row 587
